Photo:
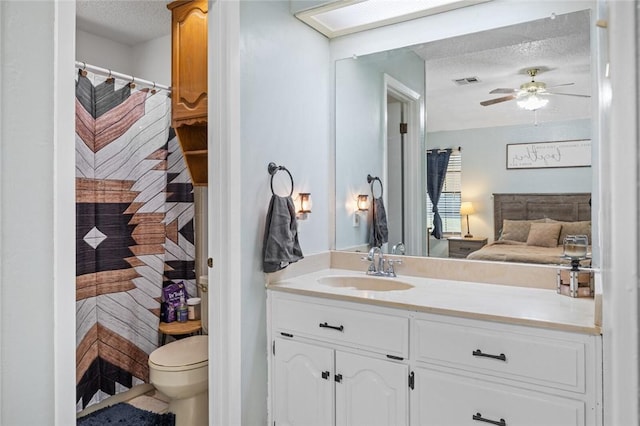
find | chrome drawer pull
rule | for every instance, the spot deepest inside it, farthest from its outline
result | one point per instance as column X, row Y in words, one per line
column 333, row 327
column 479, row 418
column 478, row 352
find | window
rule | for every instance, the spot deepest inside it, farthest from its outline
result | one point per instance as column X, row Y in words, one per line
column 449, row 204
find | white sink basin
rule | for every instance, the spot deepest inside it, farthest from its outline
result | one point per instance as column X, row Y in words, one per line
column 367, row 283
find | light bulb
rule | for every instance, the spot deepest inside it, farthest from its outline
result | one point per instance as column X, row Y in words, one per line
column 532, row 102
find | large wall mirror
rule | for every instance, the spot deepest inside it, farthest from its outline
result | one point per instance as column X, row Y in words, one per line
column 502, row 147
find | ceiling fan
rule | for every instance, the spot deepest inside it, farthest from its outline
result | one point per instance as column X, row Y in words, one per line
column 530, row 95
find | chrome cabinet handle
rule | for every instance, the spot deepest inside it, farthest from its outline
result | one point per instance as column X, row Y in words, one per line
column 478, row 352
column 478, row 417
column 333, row 327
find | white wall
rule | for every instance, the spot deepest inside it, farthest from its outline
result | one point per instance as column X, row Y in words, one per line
column 620, row 195
column 37, row 233
column 484, row 169
column 285, row 113
column 150, row 60
column 102, row 52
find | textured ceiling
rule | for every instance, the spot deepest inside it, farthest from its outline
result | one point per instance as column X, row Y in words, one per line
column 125, row 21
column 499, row 58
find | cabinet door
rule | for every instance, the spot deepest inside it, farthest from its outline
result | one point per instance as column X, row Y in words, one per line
column 370, row 391
column 189, row 62
column 444, row 399
column 303, row 384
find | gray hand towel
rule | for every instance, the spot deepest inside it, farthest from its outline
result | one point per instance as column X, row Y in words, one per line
column 281, row 246
column 378, row 230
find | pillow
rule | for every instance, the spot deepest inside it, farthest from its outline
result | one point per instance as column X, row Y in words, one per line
column 516, row 230
column 544, row 234
column 575, row 228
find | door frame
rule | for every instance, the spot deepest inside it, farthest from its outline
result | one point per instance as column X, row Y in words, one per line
column 415, row 231
column 224, row 195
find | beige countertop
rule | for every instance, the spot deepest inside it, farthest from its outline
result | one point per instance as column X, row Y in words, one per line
column 508, row 304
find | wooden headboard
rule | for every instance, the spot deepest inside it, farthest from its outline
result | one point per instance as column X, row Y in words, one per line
column 571, row 207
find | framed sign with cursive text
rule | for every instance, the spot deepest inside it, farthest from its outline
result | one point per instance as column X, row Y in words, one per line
column 539, row 155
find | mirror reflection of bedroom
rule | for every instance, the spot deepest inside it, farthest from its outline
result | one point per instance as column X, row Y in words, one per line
column 509, row 126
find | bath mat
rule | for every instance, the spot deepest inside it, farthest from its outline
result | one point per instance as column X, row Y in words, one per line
column 123, row 414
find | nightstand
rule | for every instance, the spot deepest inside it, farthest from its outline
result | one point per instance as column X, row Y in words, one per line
column 460, row 247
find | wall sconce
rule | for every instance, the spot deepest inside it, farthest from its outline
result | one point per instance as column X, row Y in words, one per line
column 305, row 205
column 466, row 208
column 363, row 203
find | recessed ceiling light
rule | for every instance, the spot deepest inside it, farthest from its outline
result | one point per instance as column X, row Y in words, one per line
column 349, row 16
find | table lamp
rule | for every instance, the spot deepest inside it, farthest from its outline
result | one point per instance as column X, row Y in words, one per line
column 466, row 208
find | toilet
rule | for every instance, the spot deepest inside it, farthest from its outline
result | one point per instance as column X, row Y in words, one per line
column 180, row 370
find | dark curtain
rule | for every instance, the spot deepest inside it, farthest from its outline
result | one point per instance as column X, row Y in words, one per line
column 437, row 163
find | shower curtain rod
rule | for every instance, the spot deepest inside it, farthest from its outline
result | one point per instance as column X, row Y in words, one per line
column 106, row 72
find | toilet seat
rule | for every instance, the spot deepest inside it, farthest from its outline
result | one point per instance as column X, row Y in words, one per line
column 186, row 354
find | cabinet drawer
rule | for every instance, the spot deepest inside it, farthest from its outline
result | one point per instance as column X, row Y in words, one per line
column 460, row 248
column 522, row 357
column 447, row 399
column 381, row 333
column 457, row 251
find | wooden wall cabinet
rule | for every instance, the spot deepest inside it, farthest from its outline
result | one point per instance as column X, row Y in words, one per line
column 189, row 90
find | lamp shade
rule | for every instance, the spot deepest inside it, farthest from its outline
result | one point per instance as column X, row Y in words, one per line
column 363, row 202
column 532, row 102
column 305, row 202
column 466, row 208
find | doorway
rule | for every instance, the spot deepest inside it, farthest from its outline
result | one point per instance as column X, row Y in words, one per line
column 403, row 122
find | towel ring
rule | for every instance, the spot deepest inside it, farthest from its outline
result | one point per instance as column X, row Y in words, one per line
column 273, row 169
column 371, row 180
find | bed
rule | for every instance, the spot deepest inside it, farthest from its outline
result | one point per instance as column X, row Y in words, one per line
column 530, row 228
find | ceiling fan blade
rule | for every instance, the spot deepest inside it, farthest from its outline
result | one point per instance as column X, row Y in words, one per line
column 567, row 94
column 497, row 100
column 503, row 91
column 560, row 85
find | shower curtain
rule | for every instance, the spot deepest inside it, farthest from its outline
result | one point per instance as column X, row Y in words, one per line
column 134, row 231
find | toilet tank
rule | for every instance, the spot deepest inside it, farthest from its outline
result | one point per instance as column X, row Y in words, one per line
column 203, row 286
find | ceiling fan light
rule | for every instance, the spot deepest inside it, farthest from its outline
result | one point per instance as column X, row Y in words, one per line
column 532, row 102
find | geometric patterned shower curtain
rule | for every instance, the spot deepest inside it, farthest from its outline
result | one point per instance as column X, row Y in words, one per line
column 134, row 231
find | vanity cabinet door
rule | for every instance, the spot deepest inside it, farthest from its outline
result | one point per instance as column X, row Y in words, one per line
column 370, row 391
column 303, row 391
column 445, row 399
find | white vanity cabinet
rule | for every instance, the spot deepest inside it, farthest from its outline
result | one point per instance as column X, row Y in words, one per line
column 480, row 372
column 336, row 362
column 320, row 374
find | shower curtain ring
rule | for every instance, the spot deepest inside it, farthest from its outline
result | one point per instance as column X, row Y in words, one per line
column 153, row 89
column 83, row 71
column 132, row 84
column 110, row 78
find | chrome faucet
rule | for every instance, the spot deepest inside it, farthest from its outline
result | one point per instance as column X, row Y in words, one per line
column 398, row 248
column 373, row 268
column 391, row 272
column 378, row 268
